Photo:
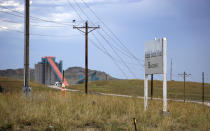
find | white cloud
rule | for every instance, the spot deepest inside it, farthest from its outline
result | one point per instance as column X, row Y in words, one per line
column 3, row 28
column 62, row 17
column 62, row 2
column 11, row 26
column 14, row 5
column 9, row 3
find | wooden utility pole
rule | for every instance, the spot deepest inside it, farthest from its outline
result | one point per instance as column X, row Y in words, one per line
column 63, row 86
column 86, row 27
column 184, row 85
column 26, row 88
column 151, row 86
column 171, row 70
column 203, row 87
column 63, row 77
column 107, row 77
column 184, row 75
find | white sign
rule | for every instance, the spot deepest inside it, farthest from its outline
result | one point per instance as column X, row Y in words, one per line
column 154, row 57
column 156, row 63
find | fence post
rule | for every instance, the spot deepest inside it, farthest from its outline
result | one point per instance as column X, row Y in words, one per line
column 203, row 87
column 151, row 86
column 134, row 122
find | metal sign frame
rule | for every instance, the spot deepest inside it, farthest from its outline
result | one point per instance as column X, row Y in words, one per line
column 149, row 71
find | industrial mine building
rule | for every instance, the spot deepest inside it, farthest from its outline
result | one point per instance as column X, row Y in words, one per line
column 48, row 71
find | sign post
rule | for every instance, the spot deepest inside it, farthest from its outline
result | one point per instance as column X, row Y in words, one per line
column 164, row 75
column 156, row 63
column 145, row 91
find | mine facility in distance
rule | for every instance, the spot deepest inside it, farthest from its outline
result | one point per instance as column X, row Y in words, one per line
column 48, row 71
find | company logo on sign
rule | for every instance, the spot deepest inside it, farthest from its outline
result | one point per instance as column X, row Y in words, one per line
column 154, row 57
column 153, row 54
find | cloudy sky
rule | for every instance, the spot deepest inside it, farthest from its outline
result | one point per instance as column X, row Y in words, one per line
column 118, row 46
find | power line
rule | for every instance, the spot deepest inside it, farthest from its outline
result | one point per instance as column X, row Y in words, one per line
column 121, row 49
column 11, row 10
column 69, row 3
column 118, row 55
column 32, row 17
column 36, row 25
column 118, row 50
column 112, row 58
column 115, row 36
column 4, row 20
column 11, row 14
column 32, row 34
column 108, row 54
column 107, row 42
column 47, row 26
column 36, row 18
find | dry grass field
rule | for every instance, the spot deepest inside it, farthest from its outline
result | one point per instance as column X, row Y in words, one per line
column 46, row 109
column 136, row 88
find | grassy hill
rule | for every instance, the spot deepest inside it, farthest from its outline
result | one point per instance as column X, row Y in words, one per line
column 74, row 73
column 16, row 73
column 71, row 74
column 136, row 88
column 48, row 109
column 11, row 85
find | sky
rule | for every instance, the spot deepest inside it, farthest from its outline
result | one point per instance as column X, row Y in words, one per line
column 117, row 47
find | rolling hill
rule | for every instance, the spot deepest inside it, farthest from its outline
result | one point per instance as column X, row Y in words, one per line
column 71, row 74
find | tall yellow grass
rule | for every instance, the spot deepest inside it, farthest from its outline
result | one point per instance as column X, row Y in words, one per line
column 49, row 110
